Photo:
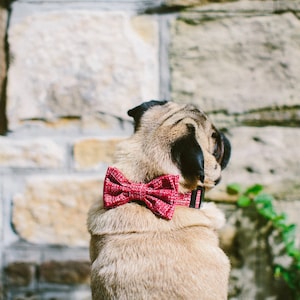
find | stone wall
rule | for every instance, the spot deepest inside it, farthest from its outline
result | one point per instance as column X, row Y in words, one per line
column 74, row 68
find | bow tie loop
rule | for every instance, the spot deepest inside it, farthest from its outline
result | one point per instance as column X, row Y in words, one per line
column 159, row 195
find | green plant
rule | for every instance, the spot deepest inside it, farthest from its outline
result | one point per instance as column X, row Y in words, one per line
column 263, row 204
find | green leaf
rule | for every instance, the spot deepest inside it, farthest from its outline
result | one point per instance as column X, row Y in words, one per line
column 293, row 252
column 243, row 201
column 279, row 218
column 280, row 222
column 267, row 212
column 290, row 248
column 254, row 189
column 288, row 278
column 289, row 233
column 263, row 198
column 278, row 272
column 234, row 189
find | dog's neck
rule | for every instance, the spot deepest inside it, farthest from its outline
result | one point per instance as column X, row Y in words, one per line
column 137, row 167
column 192, row 198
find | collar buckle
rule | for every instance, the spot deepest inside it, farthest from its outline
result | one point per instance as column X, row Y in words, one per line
column 197, row 197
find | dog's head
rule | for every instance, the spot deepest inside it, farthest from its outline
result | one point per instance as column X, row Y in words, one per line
column 179, row 139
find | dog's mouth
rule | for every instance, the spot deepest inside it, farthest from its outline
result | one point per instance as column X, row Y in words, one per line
column 218, row 180
column 208, row 184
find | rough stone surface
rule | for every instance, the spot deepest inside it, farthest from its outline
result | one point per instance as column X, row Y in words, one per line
column 50, row 78
column 3, row 20
column 65, row 272
column 247, row 7
column 64, row 221
column 267, row 155
column 190, row 2
column 19, row 274
column 184, row 2
column 236, row 64
column 90, row 153
column 72, row 294
column 279, row 116
column 285, row 116
column 31, row 153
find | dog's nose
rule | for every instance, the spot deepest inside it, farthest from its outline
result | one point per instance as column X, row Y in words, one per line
column 218, row 180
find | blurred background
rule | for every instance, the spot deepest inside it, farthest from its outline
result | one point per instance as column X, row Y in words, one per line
column 70, row 70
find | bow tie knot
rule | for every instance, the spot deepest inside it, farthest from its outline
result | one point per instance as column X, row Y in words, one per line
column 137, row 191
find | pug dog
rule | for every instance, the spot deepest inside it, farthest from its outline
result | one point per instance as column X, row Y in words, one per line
column 151, row 238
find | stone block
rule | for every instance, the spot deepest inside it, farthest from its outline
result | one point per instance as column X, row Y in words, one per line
column 31, row 153
column 67, row 64
column 19, row 274
column 90, row 153
column 186, row 3
column 268, row 156
column 107, row 124
column 235, row 62
column 3, row 20
column 65, row 272
column 73, row 294
column 1, row 214
column 53, row 209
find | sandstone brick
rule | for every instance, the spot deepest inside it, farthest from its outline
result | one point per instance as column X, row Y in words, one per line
column 267, row 155
column 73, row 294
column 90, row 153
column 1, row 215
column 27, row 295
column 19, row 274
column 95, row 71
column 247, row 7
column 107, row 124
column 53, row 209
column 190, row 2
column 65, row 272
column 3, row 19
column 234, row 64
column 31, row 153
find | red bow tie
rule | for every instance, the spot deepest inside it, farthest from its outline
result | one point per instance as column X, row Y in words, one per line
column 160, row 195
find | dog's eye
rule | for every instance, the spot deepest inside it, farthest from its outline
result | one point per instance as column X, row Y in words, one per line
column 214, row 135
column 218, row 149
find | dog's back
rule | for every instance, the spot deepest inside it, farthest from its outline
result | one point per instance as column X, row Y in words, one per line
column 143, row 257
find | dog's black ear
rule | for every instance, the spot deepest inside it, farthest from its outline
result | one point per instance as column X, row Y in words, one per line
column 188, row 156
column 227, row 151
column 222, row 149
column 138, row 111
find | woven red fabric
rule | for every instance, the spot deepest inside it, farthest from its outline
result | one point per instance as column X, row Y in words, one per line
column 160, row 195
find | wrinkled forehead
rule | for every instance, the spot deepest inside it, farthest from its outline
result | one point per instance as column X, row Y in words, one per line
column 173, row 113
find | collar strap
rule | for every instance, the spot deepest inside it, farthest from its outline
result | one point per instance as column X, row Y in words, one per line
column 192, row 199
